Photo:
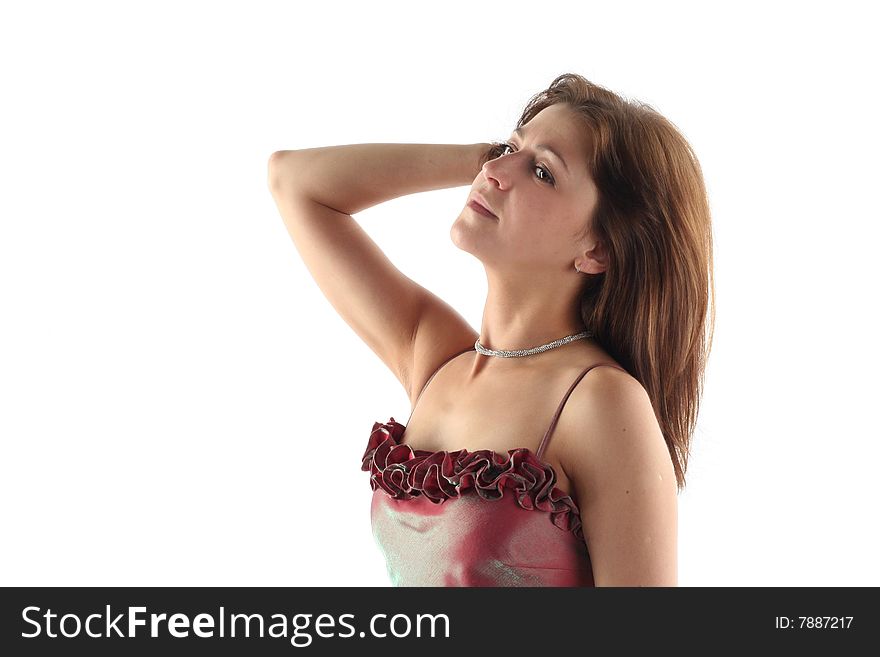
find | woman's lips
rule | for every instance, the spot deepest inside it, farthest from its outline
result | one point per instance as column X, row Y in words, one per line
column 480, row 209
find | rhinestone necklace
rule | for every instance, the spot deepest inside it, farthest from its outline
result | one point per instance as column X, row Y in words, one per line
column 502, row 353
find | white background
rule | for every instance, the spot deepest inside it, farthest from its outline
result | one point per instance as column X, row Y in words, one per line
column 180, row 405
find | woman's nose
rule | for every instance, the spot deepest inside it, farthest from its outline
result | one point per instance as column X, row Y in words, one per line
column 495, row 172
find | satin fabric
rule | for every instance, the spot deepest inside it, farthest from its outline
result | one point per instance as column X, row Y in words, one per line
column 471, row 518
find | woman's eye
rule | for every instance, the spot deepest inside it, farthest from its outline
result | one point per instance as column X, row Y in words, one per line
column 503, row 146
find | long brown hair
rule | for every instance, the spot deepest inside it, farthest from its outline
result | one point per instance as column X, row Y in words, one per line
column 650, row 309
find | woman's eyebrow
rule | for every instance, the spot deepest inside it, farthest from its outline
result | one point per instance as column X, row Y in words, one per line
column 544, row 147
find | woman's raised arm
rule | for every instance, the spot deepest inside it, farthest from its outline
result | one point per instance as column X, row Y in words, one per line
column 354, row 177
column 318, row 189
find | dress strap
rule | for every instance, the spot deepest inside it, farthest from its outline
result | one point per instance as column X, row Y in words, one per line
column 552, row 426
column 431, row 378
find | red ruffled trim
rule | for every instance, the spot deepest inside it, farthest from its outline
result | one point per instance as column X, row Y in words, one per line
column 404, row 473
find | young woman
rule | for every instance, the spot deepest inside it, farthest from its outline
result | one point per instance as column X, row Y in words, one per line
column 593, row 226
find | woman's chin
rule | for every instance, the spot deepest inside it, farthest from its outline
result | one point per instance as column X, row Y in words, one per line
column 473, row 222
column 465, row 235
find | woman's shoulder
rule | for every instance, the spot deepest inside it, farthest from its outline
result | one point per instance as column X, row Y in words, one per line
column 608, row 418
column 606, row 399
column 615, row 456
column 605, row 388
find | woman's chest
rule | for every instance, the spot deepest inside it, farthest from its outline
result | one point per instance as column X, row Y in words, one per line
column 498, row 419
column 496, row 426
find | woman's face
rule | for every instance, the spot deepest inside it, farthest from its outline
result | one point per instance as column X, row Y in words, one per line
column 541, row 200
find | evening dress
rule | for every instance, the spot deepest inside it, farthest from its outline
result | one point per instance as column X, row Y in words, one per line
column 461, row 518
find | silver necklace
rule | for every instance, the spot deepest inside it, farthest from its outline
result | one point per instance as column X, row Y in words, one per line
column 502, row 353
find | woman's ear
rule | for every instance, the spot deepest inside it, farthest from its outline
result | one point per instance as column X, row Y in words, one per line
column 594, row 261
